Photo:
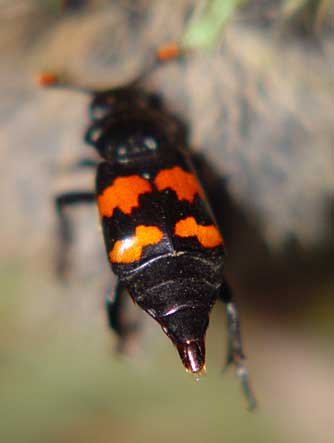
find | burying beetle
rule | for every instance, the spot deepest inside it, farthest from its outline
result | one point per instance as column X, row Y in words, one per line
column 160, row 235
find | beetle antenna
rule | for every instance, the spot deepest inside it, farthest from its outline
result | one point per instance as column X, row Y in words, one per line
column 162, row 55
column 53, row 80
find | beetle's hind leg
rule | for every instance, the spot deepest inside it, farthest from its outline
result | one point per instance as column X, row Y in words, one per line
column 123, row 318
column 65, row 229
column 235, row 354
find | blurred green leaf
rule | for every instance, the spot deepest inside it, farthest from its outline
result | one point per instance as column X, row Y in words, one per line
column 205, row 27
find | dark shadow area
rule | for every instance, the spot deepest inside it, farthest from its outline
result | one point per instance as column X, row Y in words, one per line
column 275, row 283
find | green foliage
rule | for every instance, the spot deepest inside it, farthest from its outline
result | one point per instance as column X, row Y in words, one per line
column 208, row 22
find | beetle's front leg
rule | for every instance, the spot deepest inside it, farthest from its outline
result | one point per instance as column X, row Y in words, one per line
column 65, row 229
column 120, row 318
column 235, row 353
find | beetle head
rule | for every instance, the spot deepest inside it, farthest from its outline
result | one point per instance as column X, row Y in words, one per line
column 129, row 124
column 107, row 104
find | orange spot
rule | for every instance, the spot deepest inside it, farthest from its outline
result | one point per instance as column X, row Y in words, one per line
column 183, row 183
column 130, row 249
column 208, row 236
column 168, row 52
column 47, row 79
column 123, row 194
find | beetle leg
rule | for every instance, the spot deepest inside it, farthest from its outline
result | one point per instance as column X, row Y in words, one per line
column 65, row 229
column 235, row 353
column 86, row 163
column 120, row 319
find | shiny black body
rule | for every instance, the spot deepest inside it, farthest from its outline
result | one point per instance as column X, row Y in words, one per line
column 177, row 280
column 176, row 276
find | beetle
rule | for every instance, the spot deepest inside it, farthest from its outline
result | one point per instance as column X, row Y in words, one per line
column 160, row 235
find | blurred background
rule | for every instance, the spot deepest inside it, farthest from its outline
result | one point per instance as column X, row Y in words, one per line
column 258, row 95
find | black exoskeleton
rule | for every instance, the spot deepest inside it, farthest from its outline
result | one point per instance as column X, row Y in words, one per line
column 160, row 235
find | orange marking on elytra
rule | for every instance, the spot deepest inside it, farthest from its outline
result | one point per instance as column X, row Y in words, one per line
column 183, row 183
column 208, row 236
column 123, row 194
column 130, row 249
